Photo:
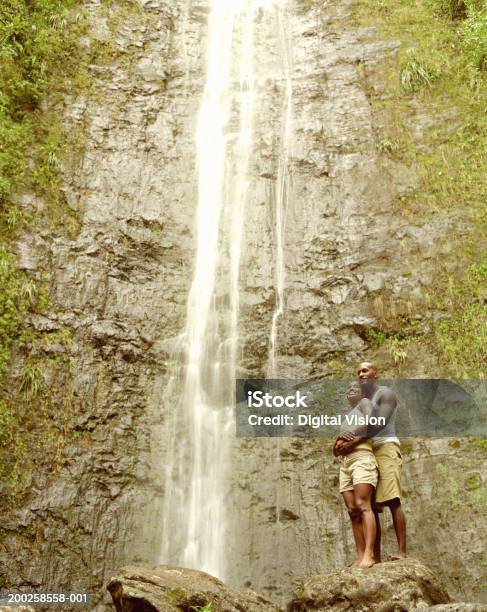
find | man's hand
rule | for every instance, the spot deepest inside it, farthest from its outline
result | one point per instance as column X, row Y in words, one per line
column 345, row 447
column 337, row 446
column 348, row 436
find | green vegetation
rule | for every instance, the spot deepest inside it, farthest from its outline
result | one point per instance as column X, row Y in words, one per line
column 205, row 608
column 17, row 294
column 467, row 494
column 183, row 600
column 336, row 366
column 481, row 444
column 441, row 69
column 12, row 447
column 41, row 62
column 461, row 340
column 38, row 40
column 452, row 9
column 376, row 338
column 458, row 338
column 415, row 73
column 473, row 28
column 38, row 61
column 31, row 382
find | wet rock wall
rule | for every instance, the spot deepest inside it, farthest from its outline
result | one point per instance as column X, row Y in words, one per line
column 121, row 284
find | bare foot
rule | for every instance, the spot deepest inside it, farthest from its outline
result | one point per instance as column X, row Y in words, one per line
column 397, row 557
column 355, row 563
column 366, row 562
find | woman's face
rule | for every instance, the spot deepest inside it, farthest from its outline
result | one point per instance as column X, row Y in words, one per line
column 354, row 394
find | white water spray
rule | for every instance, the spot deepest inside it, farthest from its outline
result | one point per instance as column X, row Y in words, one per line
column 281, row 198
column 202, row 383
column 197, row 474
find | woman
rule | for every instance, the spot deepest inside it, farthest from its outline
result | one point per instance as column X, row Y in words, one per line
column 358, row 478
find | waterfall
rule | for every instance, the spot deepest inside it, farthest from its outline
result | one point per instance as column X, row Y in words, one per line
column 196, row 475
column 201, row 388
column 281, row 198
column 281, row 205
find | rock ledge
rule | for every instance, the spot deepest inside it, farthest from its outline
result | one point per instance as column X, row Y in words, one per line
column 394, row 585
column 175, row 589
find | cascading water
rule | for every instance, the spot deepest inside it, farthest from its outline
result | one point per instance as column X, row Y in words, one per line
column 281, row 200
column 201, row 387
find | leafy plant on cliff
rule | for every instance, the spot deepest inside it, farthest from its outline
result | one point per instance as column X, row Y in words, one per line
column 31, row 382
column 415, row 72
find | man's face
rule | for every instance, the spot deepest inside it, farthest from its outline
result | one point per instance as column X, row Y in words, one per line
column 367, row 374
column 354, row 395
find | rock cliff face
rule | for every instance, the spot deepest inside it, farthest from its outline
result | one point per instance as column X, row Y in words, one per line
column 348, row 249
column 120, row 285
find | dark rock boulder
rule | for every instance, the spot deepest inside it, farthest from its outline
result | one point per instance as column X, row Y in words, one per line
column 175, row 589
column 392, row 586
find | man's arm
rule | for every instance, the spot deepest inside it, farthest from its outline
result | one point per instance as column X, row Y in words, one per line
column 366, row 407
column 384, row 408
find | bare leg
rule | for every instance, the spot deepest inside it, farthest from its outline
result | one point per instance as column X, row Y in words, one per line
column 363, row 501
column 356, row 518
column 399, row 522
column 378, row 535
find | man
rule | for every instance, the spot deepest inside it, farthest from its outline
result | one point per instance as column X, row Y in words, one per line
column 358, row 479
column 381, row 402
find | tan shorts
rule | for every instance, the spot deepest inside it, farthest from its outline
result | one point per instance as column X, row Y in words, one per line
column 389, row 460
column 359, row 467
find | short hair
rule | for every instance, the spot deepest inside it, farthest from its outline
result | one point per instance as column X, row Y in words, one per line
column 372, row 365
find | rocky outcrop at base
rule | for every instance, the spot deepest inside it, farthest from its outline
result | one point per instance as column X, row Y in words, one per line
column 176, row 589
column 394, row 585
column 397, row 586
column 458, row 607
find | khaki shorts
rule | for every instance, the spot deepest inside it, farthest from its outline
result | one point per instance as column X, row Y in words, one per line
column 389, row 460
column 359, row 467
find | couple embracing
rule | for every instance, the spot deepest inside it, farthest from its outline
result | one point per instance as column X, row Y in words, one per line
column 370, row 471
